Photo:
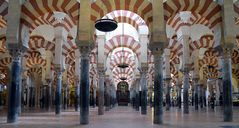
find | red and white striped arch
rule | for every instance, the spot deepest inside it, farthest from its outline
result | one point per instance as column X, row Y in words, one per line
column 34, row 58
column 211, row 73
column 93, row 72
column 68, row 47
column 125, row 41
column 208, row 9
column 176, row 22
column 49, row 19
column 235, row 72
column 33, row 9
column 175, row 47
column 5, row 62
column 71, row 72
column 3, row 47
column 37, row 42
column 31, row 71
column 236, row 9
column 235, row 57
column 119, row 56
column 206, row 41
column 119, row 72
column 141, row 7
column 124, row 16
column 3, row 13
column 210, row 58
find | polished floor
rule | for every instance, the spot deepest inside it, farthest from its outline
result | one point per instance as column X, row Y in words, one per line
column 123, row 117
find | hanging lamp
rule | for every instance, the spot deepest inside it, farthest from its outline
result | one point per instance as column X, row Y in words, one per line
column 106, row 25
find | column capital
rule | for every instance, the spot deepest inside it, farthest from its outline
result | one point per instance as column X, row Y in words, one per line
column 58, row 69
column 16, row 51
column 157, row 49
column 101, row 72
column 227, row 51
column 85, row 50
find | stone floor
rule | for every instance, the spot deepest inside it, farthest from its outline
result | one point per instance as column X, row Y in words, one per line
column 123, row 117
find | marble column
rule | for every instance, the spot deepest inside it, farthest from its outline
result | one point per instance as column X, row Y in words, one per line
column 196, row 90
column 185, row 92
column 58, row 93
column 101, row 72
column 201, row 95
column 137, row 96
column 179, row 103
column 143, row 83
column 158, row 87
column 94, row 97
column 134, row 95
column 65, row 96
column 107, row 98
column 227, row 85
column 168, row 89
column 84, row 84
column 77, row 94
column 49, row 95
column 14, row 88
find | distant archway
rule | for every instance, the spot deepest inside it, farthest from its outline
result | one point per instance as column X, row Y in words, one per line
column 123, row 93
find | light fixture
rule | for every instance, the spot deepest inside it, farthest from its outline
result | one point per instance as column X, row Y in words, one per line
column 106, row 25
column 123, row 78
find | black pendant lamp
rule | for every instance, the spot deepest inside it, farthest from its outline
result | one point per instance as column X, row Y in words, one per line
column 123, row 78
column 106, row 25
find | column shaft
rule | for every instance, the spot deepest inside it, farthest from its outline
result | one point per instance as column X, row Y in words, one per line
column 58, row 92
column 14, row 91
column 168, row 100
column 143, row 93
column 101, row 93
column 227, row 88
column 185, row 93
column 158, row 89
column 196, row 96
column 77, row 97
column 84, row 85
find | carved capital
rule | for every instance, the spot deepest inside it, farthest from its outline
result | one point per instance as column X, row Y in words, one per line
column 85, row 51
column 227, row 52
column 143, row 70
column 101, row 72
column 16, row 51
column 58, row 69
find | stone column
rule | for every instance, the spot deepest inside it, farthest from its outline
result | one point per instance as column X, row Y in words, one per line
column 227, row 84
column 134, row 97
column 137, row 95
column 196, row 90
column 158, row 86
column 58, row 93
column 77, row 79
column 185, row 92
column 48, row 95
column 14, row 91
column 84, row 83
column 143, row 83
column 201, row 95
column 101, row 72
column 65, row 96
column 77, row 94
column 168, row 89
column 17, row 43
column 94, row 97
column 108, row 95
column 179, row 87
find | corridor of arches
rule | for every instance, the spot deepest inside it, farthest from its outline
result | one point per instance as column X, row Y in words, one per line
column 168, row 62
